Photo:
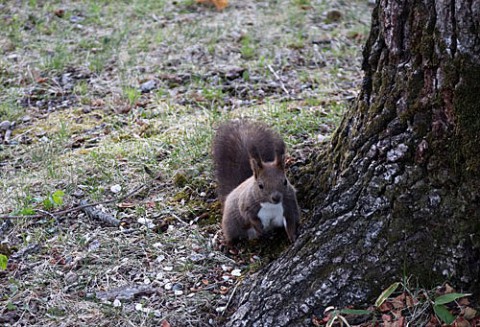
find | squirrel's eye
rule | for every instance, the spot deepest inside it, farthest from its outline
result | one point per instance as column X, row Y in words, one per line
column 260, row 185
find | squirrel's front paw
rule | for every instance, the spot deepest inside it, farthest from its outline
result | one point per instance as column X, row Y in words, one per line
column 254, row 233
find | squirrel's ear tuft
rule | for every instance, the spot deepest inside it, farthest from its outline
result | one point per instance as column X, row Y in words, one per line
column 280, row 161
column 279, row 147
column 280, row 154
column 256, row 167
column 255, row 154
column 255, row 160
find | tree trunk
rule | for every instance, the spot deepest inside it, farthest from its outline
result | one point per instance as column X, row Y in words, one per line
column 398, row 191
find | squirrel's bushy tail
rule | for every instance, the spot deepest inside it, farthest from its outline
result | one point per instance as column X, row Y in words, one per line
column 231, row 146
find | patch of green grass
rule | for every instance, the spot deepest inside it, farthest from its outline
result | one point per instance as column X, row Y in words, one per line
column 64, row 132
column 12, row 29
column 10, row 110
column 58, row 58
column 144, row 43
column 247, row 49
column 81, row 88
column 131, row 94
column 94, row 11
column 358, row 32
column 143, row 8
column 213, row 93
column 302, row 3
column 87, row 44
column 108, row 48
column 290, row 120
column 297, row 41
column 24, row 198
column 296, row 18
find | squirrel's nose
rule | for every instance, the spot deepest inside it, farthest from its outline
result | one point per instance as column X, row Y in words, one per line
column 276, row 197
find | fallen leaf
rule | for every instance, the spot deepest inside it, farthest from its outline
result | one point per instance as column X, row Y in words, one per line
column 385, row 307
column 150, row 204
column 464, row 301
column 386, row 293
column 410, row 301
column 98, row 102
column 386, row 318
column 469, row 313
column 399, row 301
column 164, row 323
column 59, row 13
column 400, row 322
column 224, row 290
column 397, row 314
column 461, row 322
column 316, row 321
column 220, row 4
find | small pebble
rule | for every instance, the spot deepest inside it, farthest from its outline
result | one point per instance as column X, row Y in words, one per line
column 76, row 19
column 221, row 309
column 5, row 125
column 148, row 86
column 78, row 193
column 71, row 277
column 321, row 137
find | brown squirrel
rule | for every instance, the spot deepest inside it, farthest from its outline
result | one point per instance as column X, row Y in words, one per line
column 249, row 160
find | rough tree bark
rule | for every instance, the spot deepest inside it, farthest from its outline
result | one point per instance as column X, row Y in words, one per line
column 398, row 192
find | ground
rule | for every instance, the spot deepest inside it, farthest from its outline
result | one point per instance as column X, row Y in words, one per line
column 116, row 102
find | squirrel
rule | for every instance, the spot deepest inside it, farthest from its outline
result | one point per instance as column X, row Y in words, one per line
column 249, row 165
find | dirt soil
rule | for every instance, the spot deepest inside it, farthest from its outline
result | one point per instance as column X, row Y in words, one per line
column 114, row 103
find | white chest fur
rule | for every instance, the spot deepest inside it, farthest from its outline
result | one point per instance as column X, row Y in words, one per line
column 271, row 215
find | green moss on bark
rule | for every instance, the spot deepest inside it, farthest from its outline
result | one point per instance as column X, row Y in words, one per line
column 467, row 109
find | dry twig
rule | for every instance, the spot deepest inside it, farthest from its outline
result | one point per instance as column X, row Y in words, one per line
column 82, row 206
column 279, row 79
